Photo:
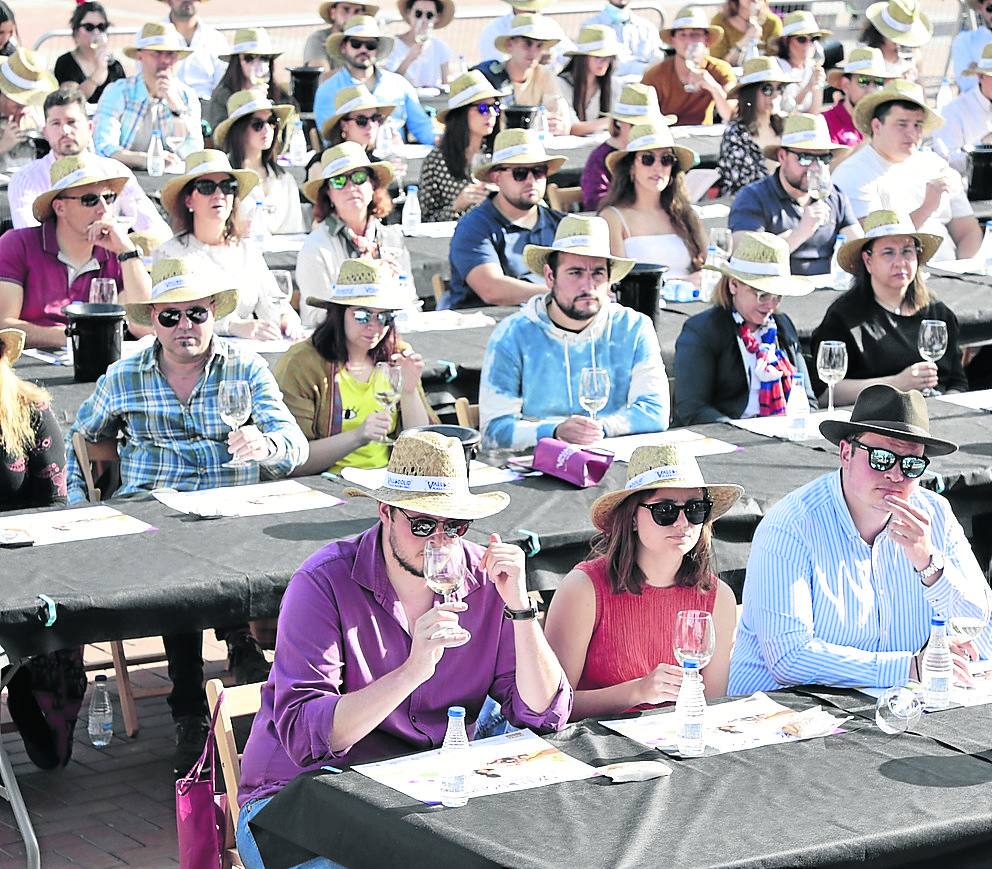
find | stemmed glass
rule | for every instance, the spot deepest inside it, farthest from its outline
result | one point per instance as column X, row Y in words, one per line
column 831, row 365
column 898, row 709
column 174, row 133
column 103, row 291
column 234, row 400
column 932, row 344
column 283, row 292
column 819, row 56
column 695, row 57
column 444, row 568
column 388, row 383
column 423, row 31
column 723, row 238
column 818, row 181
column 594, row 390
column 694, row 638
column 479, row 159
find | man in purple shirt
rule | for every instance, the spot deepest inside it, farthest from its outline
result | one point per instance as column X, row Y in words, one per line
column 863, row 73
column 368, row 661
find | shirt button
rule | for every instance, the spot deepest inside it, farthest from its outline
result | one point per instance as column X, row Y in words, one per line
column 413, row 717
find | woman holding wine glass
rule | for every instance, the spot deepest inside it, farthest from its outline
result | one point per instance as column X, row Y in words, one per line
column 90, row 64
column 418, row 55
column 748, row 26
column 358, row 117
column 612, row 622
column 880, row 318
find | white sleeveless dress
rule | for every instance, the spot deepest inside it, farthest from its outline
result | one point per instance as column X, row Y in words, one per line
column 666, row 249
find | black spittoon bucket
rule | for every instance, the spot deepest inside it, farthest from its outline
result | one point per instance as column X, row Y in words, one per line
column 469, row 437
column 641, row 288
column 97, row 331
column 980, row 164
column 304, row 85
column 519, row 117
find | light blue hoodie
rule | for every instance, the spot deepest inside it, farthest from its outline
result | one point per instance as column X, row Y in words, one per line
column 530, row 375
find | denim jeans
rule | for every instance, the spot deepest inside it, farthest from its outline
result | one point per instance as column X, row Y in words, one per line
column 248, row 850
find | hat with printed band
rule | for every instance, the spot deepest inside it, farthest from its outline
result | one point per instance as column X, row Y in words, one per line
column 759, row 70
column 354, row 98
column 517, row 147
column 365, row 283
column 638, row 102
column 651, row 135
column 359, row 27
column 885, row 224
column 158, row 36
column 444, row 15
column 665, row 466
column 901, row 21
column 25, row 79
column 207, row 162
column 251, row 40
column 12, row 344
column 469, row 88
column 427, row 474
column 897, row 90
column 861, row 61
column 343, row 158
column 802, row 132
column 761, row 260
column 77, row 170
column 535, row 27
column 596, row 40
column 802, row 23
column 983, row 66
column 247, row 103
column 324, row 10
column 584, row 236
column 176, row 282
column 691, row 18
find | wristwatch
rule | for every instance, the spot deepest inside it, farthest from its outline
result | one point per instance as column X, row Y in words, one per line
column 137, row 253
column 935, row 566
column 520, row 615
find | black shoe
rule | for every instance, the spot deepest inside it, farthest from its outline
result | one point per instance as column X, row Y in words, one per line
column 30, row 721
column 246, row 660
column 191, row 736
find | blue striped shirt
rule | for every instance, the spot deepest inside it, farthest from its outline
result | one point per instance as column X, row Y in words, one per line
column 823, row 607
column 183, row 446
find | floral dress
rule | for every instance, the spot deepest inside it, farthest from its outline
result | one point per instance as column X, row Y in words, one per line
column 741, row 161
column 439, row 189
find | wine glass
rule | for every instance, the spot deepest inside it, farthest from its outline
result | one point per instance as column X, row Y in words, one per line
column 103, row 291
column 695, row 57
column 594, row 390
column 174, row 134
column 444, row 569
column 483, row 158
column 831, row 365
column 423, row 32
column 126, row 211
column 282, row 292
column 899, row 708
column 694, row 638
column 818, row 56
column 234, row 400
column 557, row 111
column 387, row 384
column 723, row 238
column 818, row 181
column 932, row 344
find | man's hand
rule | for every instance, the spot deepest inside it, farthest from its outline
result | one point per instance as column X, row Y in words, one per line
column 935, row 189
column 910, row 530
column 579, row 430
column 472, row 194
column 815, row 214
column 505, row 565
column 436, row 630
column 11, row 137
column 920, row 375
column 108, row 233
column 661, row 685
column 248, row 444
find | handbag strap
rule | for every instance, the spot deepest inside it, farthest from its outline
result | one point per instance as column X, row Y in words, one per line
column 184, row 784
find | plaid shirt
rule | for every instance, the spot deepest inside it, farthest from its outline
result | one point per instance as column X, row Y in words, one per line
column 122, row 107
column 183, row 446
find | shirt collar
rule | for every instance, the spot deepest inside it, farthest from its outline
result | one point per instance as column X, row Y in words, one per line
column 840, row 506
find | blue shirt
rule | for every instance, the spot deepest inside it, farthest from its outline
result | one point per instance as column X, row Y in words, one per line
column 822, row 607
column 486, row 235
column 389, row 88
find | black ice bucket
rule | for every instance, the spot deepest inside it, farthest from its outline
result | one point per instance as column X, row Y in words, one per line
column 97, row 331
column 641, row 288
column 304, row 80
column 519, row 117
column 469, row 437
column 980, row 164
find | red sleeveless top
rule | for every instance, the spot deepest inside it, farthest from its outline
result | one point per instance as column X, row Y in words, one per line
column 632, row 633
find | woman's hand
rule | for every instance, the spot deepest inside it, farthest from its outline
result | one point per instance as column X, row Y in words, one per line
column 412, row 365
column 376, row 426
column 472, row 194
column 661, row 685
column 261, row 330
column 920, row 375
column 292, row 328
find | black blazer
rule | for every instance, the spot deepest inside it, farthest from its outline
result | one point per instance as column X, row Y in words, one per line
column 710, row 378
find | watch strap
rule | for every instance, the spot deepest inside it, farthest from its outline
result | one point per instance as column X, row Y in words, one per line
column 137, row 253
column 520, row 615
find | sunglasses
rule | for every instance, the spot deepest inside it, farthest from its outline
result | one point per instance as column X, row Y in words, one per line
column 803, row 40
column 208, row 187
column 425, row 526
column 665, row 513
column 806, row 160
column 91, row 200
column 485, row 109
column 364, row 120
column 358, row 177
column 520, row 173
column 363, row 317
column 647, row 159
column 89, row 27
column 769, row 89
column 760, row 296
column 867, row 81
column 420, row 13
column 259, row 124
column 170, row 317
column 367, row 44
column 880, row 459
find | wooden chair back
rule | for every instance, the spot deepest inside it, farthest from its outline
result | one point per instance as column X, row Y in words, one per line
column 565, row 198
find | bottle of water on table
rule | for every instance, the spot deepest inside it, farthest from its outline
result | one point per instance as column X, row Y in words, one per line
column 840, row 279
column 101, row 717
column 938, row 668
column 709, row 278
column 156, row 156
column 690, row 707
column 298, row 145
column 454, row 760
column 797, row 408
column 411, row 211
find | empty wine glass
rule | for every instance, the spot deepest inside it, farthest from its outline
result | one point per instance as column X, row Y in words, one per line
column 932, row 344
column 694, row 638
column 234, row 402
column 423, row 31
column 818, row 56
column 695, row 57
column 818, row 181
column 103, row 291
column 125, row 211
column 282, row 292
column 174, row 132
column 444, row 569
column 899, row 708
column 594, row 390
column 831, row 365
column 387, row 385
column 723, row 238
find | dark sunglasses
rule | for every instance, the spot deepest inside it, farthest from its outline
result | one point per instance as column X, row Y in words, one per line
column 251, row 58
column 170, row 317
column 646, row 158
column 520, row 173
column 363, row 317
column 425, row 526
column 208, row 187
column 880, row 459
column 89, row 27
column 358, row 177
column 91, row 200
column 802, row 40
column 420, row 13
column 769, row 89
column 805, row 160
column 866, row 81
column 364, row 120
column 488, row 108
column 664, row 513
column 988, row 8
column 367, row 44
column 259, row 124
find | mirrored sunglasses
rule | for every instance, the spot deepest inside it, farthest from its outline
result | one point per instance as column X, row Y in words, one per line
column 488, row 108
column 665, row 513
column 170, row 317
column 259, row 124
column 806, row 160
column 772, row 88
column 91, row 200
column 364, row 120
column 358, row 177
column 881, row 459
column 89, row 27
column 425, row 526
column 367, row 44
column 208, row 187
column 363, row 317
column 867, row 81
column 646, row 158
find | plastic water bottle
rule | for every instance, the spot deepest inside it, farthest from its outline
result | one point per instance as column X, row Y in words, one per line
column 986, row 248
column 454, row 760
column 101, row 723
column 690, row 707
column 156, row 156
column 411, row 211
column 542, row 126
column 938, row 669
column 298, row 145
column 797, row 408
column 710, row 278
column 945, row 93
column 841, row 279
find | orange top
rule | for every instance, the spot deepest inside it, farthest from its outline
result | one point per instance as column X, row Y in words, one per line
column 691, row 108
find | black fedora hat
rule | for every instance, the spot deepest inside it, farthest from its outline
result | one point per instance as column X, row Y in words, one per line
column 888, row 411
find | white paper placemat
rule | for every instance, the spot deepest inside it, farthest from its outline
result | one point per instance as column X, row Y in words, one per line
column 260, row 499
column 66, row 526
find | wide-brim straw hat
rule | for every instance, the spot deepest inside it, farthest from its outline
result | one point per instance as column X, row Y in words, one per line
column 207, row 162
column 248, row 102
column 892, row 413
column 761, row 260
column 691, row 18
column 444, row 16
column 802, row 23
column 158, row 36
column 804, row 132
column 584, row 236
column 595, row 40
column 25, row 79
column 983, row 66
column 12, row 343
column 900, row 21
column 535, row 27
column 324, row 10
column 360, row 27
column 897, row 90
column 665, row 466
column 759, row 70
column 354, row 98
column 344, row 158
column 176, row 282
column 365, row 283
column 468, row 88
column 518, row 147
column 77, row 170
column 251, row 40
column 532, row 6
column 651, row 135
column 885, row 224
column 427, row 474
column 638, row 102
column 861, row 61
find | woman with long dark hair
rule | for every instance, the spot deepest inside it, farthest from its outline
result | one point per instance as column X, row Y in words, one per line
column 586, row 82
column 647, row 206
column 9, row 37
column 796, row 50
column 612, row 619
column 90, row 64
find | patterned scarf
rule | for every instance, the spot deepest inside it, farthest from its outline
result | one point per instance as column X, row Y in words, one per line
column 772, row 366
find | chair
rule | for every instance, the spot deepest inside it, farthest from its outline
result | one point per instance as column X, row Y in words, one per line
column 565, row 198
column 440, row 285
column 467, row 414
column 239, row 700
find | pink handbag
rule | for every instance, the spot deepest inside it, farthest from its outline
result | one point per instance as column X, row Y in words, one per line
column 201, row 813
column 580, row 466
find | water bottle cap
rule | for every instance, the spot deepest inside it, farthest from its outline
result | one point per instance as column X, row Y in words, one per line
column 712, row 249
column 841, row 238
column 101, row 678
column 690, row 664
column 456, row 712
column 412, row 187
column 937, row 621
column 798, row 378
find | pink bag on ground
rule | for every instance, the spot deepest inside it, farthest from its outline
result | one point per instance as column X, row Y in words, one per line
column 201, row 813
column 580, row 466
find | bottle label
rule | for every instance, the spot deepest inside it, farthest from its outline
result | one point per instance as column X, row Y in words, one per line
column 692, row 731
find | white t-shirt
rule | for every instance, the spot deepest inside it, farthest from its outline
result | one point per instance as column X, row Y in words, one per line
column 425, row 71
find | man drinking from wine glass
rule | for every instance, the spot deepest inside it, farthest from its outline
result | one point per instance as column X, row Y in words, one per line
column 369, row 660
column 532, row 374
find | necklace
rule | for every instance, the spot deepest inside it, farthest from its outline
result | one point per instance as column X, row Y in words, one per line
column 897, row 310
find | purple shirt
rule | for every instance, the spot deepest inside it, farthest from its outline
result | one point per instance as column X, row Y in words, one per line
column 30, row 258
column 841, row 126
column 595, row 179
column 342, row 627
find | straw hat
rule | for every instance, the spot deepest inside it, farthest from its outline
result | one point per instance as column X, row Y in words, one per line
column 897, row 90
column 802, row 132
column 761, row 260
column 207, row 162
column 470, row 87
column 444, row 16
column 364, row 282
column 531, row 6
column 343, row 158
column 532, row 26
column 691, row 18
column 882, row 224
column 585, row 236
column 12, row 344
column 638, row 102
column 984, row 64
column 25, row 79
column 649, row 135
column 76, row 171
column 901, row 21
column 759, row 70
column 861, row 61
column 247, row 103
column 518, row 147
column 350, row 99
column 427, row 474
column 802, row 23
column 147, row 240
column 596, row 40
column 158, row 36
column 361, row 27
column 665, row 466
column 324, row 10
column 251, row 40
column 176, row 281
